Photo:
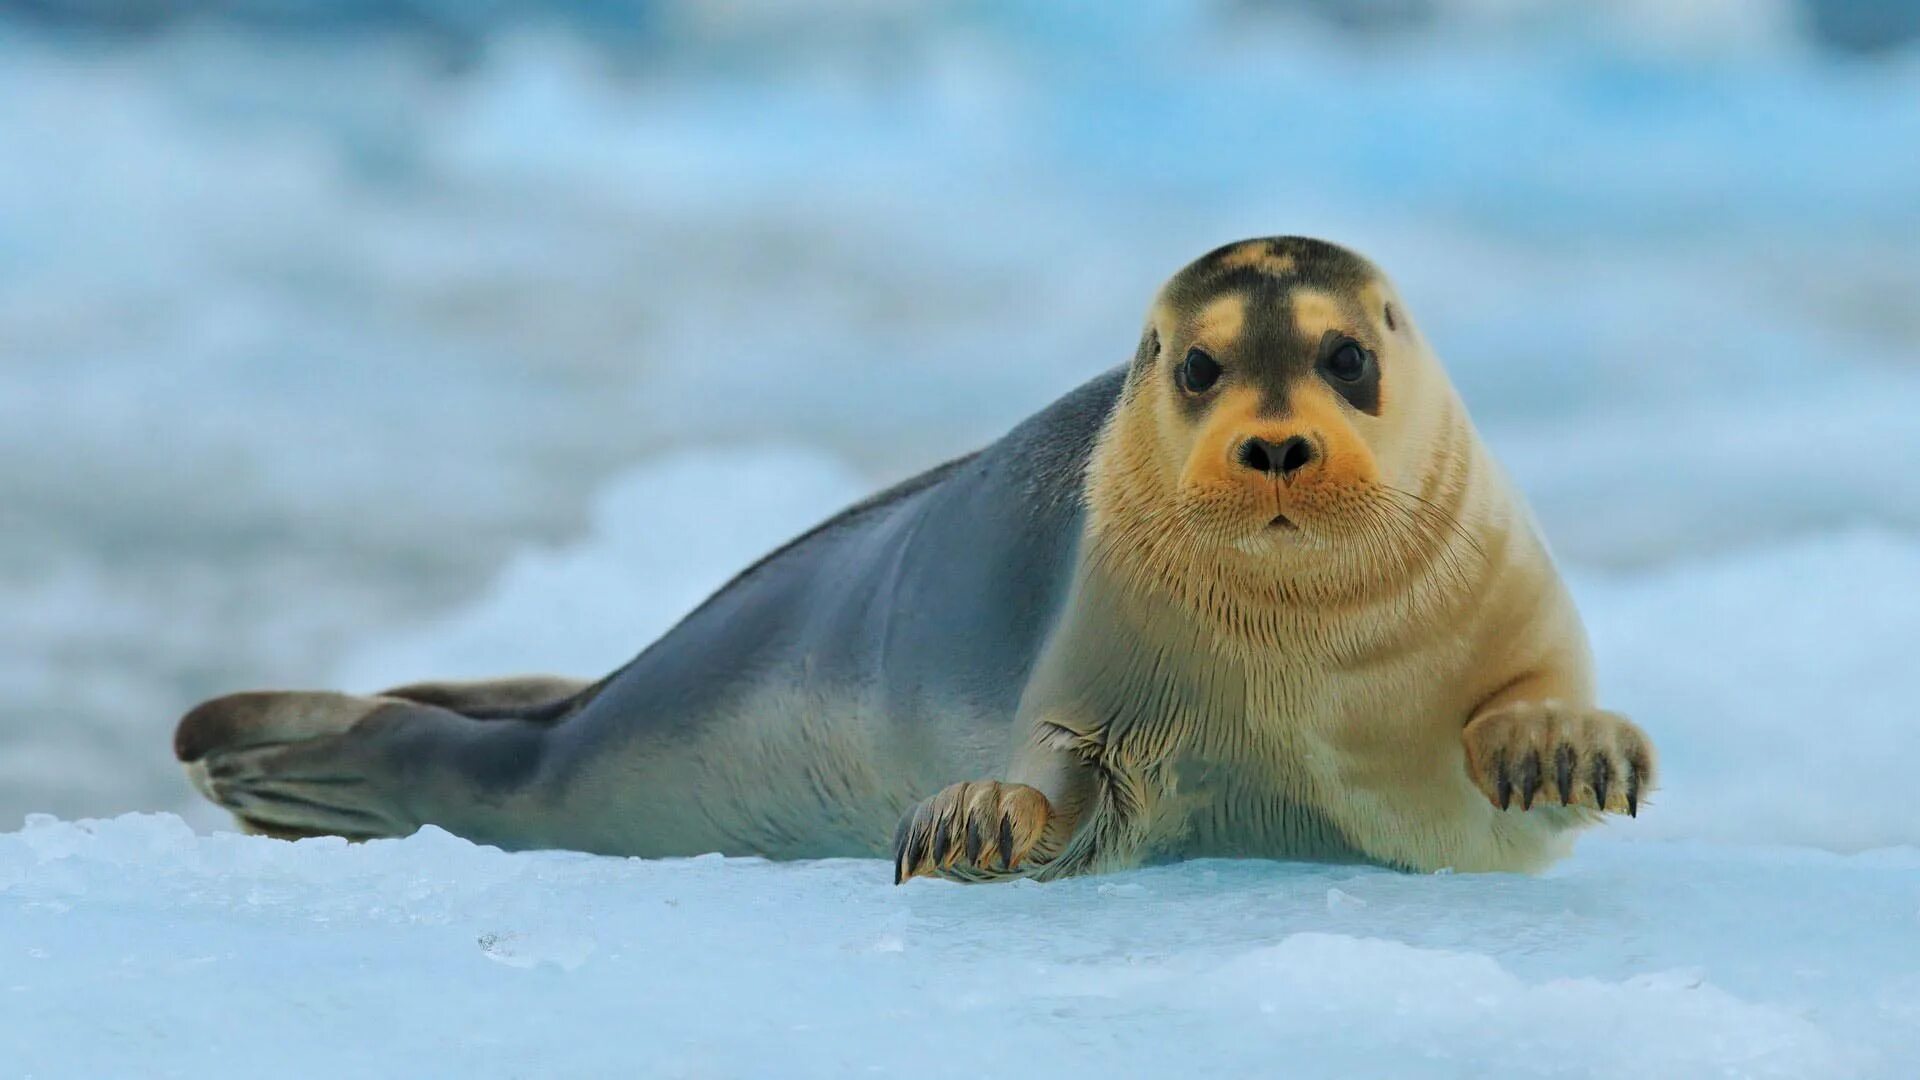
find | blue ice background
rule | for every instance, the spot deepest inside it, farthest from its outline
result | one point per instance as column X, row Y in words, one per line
column 313, row 315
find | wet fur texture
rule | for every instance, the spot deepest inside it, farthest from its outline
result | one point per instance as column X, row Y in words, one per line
column 1113, row 637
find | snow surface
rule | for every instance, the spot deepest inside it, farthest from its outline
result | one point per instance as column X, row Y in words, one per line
column 136, row 947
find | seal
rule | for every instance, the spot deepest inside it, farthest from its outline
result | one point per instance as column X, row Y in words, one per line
column 1259, row 592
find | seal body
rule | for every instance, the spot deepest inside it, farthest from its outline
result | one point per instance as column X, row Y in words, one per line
column 1259, row 592
column 827, row 689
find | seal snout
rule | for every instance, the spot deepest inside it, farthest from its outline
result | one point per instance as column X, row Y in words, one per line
column 1281, row 459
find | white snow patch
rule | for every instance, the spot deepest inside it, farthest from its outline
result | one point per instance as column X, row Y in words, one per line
column 1779, row 685
column 133, row 946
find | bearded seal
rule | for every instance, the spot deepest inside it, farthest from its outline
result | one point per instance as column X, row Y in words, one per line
column 1259, row 592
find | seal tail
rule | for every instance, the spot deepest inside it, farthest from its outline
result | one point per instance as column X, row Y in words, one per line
column 294, row 764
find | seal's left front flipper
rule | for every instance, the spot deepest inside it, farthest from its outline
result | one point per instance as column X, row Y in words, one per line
column 1531, row 753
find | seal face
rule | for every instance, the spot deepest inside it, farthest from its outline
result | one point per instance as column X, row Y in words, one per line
column 1259, row 592
column 1271, row 357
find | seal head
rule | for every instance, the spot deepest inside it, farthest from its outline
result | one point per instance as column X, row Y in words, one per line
column 1284, row 375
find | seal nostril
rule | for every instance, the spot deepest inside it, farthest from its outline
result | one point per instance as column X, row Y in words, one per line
column 1295, row 454
column 1285, row 458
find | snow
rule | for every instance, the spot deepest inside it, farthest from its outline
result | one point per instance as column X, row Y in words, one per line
column 136, row 947
column 1781, row 687
column 386, row 370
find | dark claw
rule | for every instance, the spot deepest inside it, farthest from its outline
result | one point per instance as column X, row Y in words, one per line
column 975, row 841
column 1529, row 779
column 1633, row 791
column 900, row 847
column 1563, row 772
column 1006, row 842
column 1601, row 774
column 942, row 841
column 917, row 842
column 1503, row 784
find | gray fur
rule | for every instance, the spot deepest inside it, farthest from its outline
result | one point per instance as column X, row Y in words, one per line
column 797, row 712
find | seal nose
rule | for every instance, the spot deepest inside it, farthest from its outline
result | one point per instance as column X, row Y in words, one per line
column 1283, row 459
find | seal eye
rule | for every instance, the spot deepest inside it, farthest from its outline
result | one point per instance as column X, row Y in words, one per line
column 1349, row 362
column 1198, row 372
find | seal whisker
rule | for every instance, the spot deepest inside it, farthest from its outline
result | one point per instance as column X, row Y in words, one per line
column 1448, row 520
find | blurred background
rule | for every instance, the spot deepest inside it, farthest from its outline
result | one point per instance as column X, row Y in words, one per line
column 357, row 341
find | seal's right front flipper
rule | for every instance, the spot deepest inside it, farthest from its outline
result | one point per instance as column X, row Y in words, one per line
column 984, row 830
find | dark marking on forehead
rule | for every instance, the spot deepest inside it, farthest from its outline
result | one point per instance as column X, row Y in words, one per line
column 1285, row 260
column 1280, row 280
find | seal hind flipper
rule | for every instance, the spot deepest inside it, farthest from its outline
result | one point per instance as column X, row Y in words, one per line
column 300, row 763
column 261, row 755
column 535, row 698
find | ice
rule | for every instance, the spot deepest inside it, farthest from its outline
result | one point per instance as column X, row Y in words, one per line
column 1780, row 686
column 134, row 946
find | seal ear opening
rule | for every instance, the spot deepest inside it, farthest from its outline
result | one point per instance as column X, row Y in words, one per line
column 1149, row 349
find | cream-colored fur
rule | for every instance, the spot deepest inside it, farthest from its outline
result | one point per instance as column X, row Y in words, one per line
column 1372, row 683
